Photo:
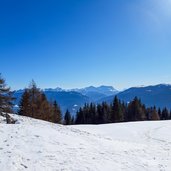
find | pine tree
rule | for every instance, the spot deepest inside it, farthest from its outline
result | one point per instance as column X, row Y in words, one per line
column 100, row 115
column 44, row 108
column 136, row 111
column 106, row 112
column 67, row 118
column 24, row 106
column 57, row 113
column 34, row 95
column 86, row 114
column 155, row 115
column 5, row 97
column 148, row 113
column 165, row 114
column 80, row 117
column 92, row 114
column 124, row 111
column 116, row 111
column 159, row 112
column 72, row 120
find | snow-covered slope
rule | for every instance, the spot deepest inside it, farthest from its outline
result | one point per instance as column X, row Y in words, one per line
column 35, row 145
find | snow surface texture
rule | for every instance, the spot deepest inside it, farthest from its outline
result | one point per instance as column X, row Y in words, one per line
column 35, row 145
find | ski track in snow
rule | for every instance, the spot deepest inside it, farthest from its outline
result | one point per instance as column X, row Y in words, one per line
column 35, row 145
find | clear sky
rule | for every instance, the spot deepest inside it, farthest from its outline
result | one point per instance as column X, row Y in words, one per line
column 77, row 43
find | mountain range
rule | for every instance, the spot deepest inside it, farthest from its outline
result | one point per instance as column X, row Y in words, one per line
column 158, row 95
column 73, row 99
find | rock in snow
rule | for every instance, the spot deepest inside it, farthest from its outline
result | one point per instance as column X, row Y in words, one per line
column 35, row 145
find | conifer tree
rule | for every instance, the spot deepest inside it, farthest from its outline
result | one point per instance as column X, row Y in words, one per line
column 116, row 111
column 57, row 113
column 155, row 115
column 24, row 106
column 100, row 115
column 92, row 114
column 124, row 111
column 86, row 114
column 165, row 114
column 159, row 113
column 34, row 95
column 80, row 117
column 106, row 112
column 136, row 110
column 5, row 97
column 72, row 120
column 44, row 108
column 67, row 118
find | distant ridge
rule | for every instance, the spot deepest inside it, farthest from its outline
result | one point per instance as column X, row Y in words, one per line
column 73, row 99
column 158, row 95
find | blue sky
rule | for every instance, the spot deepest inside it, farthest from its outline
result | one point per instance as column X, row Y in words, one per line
column 77, row 43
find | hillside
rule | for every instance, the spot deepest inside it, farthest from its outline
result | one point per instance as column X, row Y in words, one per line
column 37, row 145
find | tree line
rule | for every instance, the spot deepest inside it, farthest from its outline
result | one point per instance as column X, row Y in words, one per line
column 119, row 111
column 34, row 104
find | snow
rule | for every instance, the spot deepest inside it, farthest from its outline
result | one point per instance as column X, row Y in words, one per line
column 38, row 145
column 149, row 90
column 2, row 119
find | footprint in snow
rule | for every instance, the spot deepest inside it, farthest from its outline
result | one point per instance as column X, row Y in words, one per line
column 9, row 152
column 37, row 136
column 24, row 166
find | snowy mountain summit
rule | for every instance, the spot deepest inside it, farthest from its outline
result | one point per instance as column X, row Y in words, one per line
column 37, row 145
column 106, row 90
